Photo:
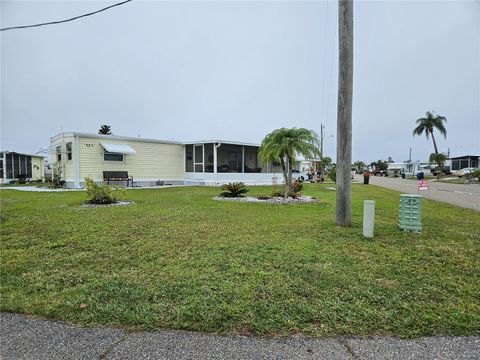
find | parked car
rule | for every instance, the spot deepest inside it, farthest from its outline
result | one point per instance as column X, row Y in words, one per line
column 299, row 175
column 463, row 172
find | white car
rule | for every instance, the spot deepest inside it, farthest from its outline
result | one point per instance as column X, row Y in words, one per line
column 463, row 172
column 299, row 175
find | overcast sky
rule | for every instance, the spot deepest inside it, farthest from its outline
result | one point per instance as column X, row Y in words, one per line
column 238, row 70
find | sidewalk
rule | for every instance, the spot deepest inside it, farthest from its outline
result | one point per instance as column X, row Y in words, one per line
column 24, row 337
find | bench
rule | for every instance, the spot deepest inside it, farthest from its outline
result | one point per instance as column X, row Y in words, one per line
column 117, row 176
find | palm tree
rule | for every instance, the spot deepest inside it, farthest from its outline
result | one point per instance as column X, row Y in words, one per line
column 428, row 123
column 105, row 130
column 440, row 160
column 283, row 145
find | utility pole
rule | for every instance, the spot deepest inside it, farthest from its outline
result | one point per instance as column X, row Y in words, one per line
column 344, row 112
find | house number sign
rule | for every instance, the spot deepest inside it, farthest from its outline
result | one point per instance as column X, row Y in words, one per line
column 89, row 145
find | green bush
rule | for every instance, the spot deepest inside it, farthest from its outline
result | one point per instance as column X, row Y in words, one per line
column 57, row 181
column 332, row 173
column 476, row 174
column 234, row 190
column 297, row 187
column 278, row 193
column 102, row 194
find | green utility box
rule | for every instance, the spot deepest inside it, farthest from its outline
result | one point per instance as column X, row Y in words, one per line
column 411, row 212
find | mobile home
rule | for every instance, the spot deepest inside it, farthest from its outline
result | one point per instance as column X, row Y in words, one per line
column 15, row 166
column 150, row 162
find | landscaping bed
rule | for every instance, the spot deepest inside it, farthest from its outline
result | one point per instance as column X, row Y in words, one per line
column 179, row 260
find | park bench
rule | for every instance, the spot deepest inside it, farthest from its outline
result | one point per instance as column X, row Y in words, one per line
column 117, row 176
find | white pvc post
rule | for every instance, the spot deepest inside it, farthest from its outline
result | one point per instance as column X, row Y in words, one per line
column 368, row 218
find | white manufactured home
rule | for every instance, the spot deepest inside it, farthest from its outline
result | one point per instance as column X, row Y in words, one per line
column 149, row 162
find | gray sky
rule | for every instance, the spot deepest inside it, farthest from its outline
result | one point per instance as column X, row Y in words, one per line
column 238, row 70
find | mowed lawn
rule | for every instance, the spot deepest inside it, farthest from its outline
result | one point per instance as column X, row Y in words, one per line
column 177, row 259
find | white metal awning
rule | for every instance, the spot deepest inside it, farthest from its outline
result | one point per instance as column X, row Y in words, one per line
column 119, row 149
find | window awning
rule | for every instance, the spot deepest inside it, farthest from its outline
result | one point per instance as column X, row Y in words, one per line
column 119, row 149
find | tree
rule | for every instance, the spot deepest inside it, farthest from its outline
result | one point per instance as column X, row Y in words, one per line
column 381, row 165
column 283, row 145
column 105, row 130
column 344, row 112
column 359, row 165
column 439, row 159
column 428, row 123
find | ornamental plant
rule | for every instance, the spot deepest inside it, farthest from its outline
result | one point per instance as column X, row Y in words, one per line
column 102, row 194
column 236, row 189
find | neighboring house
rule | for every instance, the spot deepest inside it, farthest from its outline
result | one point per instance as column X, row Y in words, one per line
column 467, row 161
column 151, row 161
column 15, row 165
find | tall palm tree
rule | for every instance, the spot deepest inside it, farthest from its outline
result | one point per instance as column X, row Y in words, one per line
column 283, row 145
column 105, row 130
column 428, row 123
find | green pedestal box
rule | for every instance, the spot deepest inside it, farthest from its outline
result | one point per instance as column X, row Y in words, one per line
column 411, row 212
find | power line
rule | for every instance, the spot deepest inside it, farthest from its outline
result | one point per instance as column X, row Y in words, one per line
column 66, row 20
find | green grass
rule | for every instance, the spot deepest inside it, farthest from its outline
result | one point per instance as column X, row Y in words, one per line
column 177, row 259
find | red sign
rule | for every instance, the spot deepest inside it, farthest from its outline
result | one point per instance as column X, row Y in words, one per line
column 423, row 185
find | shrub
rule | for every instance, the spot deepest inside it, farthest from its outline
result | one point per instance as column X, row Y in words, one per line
column 234, row 190
column 332, row 173
column 278, row 193
column 476, row 174
column 297, row 187
column 57, row 181
column 102, row 194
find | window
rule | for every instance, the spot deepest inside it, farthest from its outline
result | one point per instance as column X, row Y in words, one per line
column 112, row 156
column 69, row 151
column 59, row 153
column 198, row 158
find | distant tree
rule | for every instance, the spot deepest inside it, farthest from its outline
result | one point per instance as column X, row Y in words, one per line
column 283, row 145
column 381, row 165
column 105, row 130
column 390, row 160
column 428, row 123
column 359, row 165
column 439, row 159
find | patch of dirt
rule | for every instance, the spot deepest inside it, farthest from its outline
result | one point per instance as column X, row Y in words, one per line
column 118, row 203
column 273, row 200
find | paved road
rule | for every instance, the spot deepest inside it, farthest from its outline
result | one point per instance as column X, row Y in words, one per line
column 23, row 337
column 467, row 195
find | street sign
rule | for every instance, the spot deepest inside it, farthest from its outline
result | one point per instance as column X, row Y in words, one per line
column 422, row 185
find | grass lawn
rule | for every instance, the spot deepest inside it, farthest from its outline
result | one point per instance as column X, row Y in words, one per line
column 177, row 259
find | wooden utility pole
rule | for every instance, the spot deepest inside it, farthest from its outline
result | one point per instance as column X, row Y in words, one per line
column 344, row 112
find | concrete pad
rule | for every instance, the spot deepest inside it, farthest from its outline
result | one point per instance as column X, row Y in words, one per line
column 189, row 345
column 23, row 337
column 430, row 348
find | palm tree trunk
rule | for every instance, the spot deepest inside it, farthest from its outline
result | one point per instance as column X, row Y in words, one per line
column 344, row 113
column 290, row 167
column 285, row 176
column 434, row 142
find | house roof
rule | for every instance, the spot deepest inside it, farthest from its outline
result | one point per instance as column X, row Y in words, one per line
column 18, row 153
column 113, row 137
column 465, row 156
column 140, row 139
column 230, row 142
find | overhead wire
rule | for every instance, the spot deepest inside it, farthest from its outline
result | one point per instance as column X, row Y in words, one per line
column 65, row 20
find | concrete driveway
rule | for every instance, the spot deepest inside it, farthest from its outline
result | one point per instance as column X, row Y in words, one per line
column 467, row 196
column 23, row 337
